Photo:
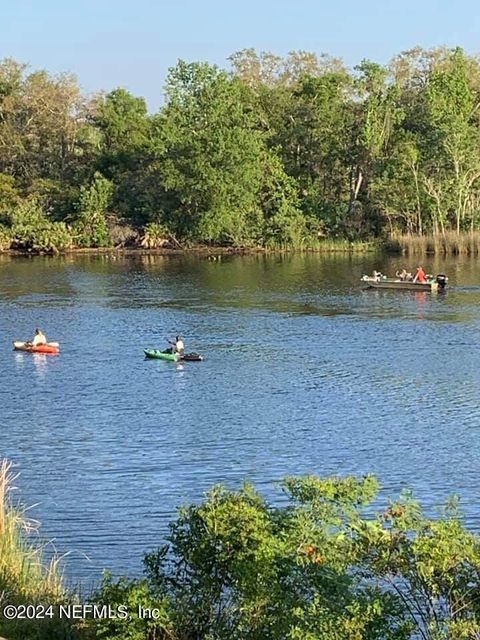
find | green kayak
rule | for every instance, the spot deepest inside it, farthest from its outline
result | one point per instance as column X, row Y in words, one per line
column 161, row 355
column 172, row 357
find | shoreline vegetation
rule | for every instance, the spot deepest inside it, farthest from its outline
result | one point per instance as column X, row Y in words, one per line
column 271, row 153
column 330, row 246
column 335, row 562
column 448, row 244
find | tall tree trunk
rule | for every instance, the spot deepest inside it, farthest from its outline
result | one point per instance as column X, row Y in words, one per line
column 355, row 189
column 417, row 198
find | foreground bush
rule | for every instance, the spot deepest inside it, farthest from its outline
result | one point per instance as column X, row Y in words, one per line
column 317, row 568
column 326, row 565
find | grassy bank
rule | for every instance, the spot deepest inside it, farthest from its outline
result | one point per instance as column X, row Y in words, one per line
column 322, row 246
column 26, row 577
column 335, row 245
column 449, row 243
column 23, row 570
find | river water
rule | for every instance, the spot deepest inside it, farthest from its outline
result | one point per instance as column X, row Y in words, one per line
column 304, row 372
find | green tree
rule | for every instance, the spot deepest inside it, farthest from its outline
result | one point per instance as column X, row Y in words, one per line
column 377, row 115
column 211, row 156
column 452, row 175
column 125, row 157
column 123, row 121
column 90, row 228
column 314, row 144
column 45, row 141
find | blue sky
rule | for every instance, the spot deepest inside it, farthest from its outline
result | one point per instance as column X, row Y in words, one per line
column 110, row 43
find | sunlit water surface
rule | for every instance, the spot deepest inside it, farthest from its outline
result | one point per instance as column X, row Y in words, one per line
column 304, row 372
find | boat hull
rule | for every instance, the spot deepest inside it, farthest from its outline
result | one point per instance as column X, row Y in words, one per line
column 381, row 282
column 161, row 355
column 51, row 348
column 172, row 357
column 401, row 285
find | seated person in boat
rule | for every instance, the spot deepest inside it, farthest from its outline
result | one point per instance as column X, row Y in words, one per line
column 420, row 276
column 38, row 339
column 404, row 275
column 178, row 346
column 377, row 275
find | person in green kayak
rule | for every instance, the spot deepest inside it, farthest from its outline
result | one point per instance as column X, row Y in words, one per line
column 39, row 338
column 178, row 346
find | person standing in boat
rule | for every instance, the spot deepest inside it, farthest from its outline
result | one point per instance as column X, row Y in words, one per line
column 420, row 276
column 178, row 346
column 39, row 338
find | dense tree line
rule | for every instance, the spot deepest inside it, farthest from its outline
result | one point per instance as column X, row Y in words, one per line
column 273, row 152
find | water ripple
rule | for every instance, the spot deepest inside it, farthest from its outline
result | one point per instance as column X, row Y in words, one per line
column 305, row 372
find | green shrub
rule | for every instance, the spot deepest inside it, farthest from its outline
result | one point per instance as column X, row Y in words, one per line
column 5, row 238
column 50, row 237
column 325, row 566
column 149, row 614
column 53, row 237
column 236, row 567
column 155, row 236
column 9, row 195
column 286, row 229
column 90, row 228
column 26, row 213
column 31, row 230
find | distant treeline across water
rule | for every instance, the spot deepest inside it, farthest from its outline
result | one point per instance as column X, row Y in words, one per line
column 294, row 152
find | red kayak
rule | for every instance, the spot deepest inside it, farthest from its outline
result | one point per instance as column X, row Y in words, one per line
column 51, row 347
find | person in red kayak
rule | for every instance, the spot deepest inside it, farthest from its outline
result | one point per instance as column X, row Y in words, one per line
column 38, row 339
column 420, row 276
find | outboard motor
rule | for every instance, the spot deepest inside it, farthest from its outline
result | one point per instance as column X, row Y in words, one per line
column 442, row 280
